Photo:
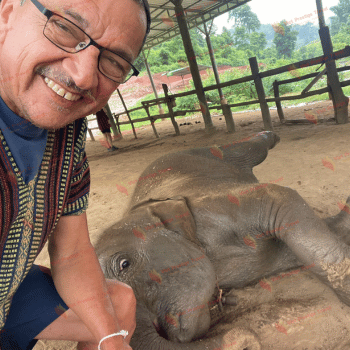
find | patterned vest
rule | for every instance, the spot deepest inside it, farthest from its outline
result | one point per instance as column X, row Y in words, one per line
column 30, row 212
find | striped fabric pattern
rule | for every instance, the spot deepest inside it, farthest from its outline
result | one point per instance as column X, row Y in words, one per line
column 30, row 212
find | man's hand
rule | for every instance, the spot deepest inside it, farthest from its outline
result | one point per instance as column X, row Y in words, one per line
column 80, row 282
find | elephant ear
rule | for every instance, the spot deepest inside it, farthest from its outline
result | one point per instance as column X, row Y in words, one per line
column 174, row 214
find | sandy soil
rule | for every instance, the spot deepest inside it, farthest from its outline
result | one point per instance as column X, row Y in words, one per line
column 313, row 159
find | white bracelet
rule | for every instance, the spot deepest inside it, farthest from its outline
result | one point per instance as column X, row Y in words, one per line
column 122, row 332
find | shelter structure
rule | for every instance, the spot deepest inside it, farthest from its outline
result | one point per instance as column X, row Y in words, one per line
column 181, row 72
column 173, row 17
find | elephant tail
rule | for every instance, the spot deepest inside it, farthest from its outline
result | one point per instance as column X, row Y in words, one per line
column 147, row 338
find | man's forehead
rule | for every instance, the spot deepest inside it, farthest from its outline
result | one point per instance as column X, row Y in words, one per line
column 75, row 9
column 80, row 11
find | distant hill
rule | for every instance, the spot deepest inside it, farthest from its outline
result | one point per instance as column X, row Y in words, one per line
column 307, row 33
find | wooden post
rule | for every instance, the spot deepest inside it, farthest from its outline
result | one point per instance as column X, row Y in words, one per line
column 116, row 133
column 340, row 101
column 118, row 125
column 230, row 124
column 91, row 135
column 226, row 110
column 169, row 101
column 192, row 61
column 314, row 81
column 261, row 94
column 127, row 113
column 276, row 92
column 161, row 110
column 146, row 107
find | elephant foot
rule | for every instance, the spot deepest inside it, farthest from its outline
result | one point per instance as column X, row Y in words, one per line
column 239, row 339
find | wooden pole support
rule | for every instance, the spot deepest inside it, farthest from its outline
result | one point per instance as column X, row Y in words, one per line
column 146, row 107
column 276, row 92
column 340, row 101
column 116, row 133
column 261, row 94
column 91, row 135
column 127, row 113
column 192, row 61
column 230, row 124
column 169, row 101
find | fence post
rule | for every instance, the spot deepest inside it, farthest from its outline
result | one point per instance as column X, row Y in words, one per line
column 226, row 111
column 340, row 101
column 261, row 94
column 127, row 113
column 91, row 135
column 169, row 101
column 116, row 133
column 146, row 107
column 276, row 92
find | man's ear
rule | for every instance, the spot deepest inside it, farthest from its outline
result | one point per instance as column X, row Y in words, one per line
column 173, row 214
column 6, row 9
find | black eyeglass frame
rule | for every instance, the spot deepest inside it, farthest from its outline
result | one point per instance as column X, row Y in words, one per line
column 46, row 12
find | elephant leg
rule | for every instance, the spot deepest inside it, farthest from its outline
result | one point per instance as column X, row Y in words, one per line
column 250, row 153
column 340, row 224
column 146, row 337
column 280, row 213
column 245, row 154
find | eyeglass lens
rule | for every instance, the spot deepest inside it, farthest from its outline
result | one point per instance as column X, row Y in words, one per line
column 71, row 38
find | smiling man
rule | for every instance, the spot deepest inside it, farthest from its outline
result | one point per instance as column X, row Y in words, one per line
column 60, row 61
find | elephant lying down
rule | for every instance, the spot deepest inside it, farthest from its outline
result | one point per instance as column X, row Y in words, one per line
column 199, row 224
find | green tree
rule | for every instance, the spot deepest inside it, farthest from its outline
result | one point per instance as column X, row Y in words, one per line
column 306, row 33
column 244, row 17
column 241, row 38
column 285, row 39
column 257, row 42
column 342, row 12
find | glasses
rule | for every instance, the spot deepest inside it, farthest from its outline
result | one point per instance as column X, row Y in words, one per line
column 70, row 38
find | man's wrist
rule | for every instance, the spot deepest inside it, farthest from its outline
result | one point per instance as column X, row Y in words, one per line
column 121, row 335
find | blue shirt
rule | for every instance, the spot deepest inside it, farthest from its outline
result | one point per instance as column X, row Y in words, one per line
column 26, row 141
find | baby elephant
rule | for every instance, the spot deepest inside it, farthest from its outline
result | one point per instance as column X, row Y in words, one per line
column 199, row 223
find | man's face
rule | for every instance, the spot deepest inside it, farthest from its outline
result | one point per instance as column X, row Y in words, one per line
column 27, row 57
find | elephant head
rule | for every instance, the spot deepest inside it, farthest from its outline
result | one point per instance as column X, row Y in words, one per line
column 154, row 250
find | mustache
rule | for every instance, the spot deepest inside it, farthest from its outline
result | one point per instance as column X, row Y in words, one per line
column 64, row 80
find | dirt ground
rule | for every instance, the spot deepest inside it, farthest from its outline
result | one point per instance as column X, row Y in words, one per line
column 313, row 159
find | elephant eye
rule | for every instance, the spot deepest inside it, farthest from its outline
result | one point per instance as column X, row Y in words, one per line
column 123, row 264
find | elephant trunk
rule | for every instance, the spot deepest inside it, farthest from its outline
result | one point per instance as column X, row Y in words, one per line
column 147, row 338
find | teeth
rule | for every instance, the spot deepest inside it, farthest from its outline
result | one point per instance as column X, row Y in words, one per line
column 61, row 91
column 69, row 96
column 55, row 88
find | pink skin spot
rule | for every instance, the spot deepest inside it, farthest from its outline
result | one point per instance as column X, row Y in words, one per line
column 233, row 199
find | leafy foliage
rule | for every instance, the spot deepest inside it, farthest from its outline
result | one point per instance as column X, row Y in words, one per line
column 342, row 12
column 285, row 39
column 244, row 17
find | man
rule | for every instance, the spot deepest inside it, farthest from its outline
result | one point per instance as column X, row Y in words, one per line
column 60, row 61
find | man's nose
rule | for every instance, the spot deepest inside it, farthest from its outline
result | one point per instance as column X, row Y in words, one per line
column 83, row 68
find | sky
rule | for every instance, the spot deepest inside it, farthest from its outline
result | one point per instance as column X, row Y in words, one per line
column 272, row 11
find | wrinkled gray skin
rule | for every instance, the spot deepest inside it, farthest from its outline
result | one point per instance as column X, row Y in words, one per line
column 206, row 219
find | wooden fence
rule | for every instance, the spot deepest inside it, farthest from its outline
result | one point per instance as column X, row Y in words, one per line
column 256, row 77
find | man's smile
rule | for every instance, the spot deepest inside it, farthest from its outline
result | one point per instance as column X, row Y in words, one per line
column 61, row 91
